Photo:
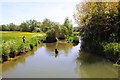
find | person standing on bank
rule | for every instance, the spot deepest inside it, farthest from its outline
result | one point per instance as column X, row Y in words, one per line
column 23, row 39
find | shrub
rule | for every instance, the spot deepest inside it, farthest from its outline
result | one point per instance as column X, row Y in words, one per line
column 13, row 48
column 76, row 40
column 112, row 48
column 73, row 39
column 9, row 48
column 5, row 48
column 51, row 36
column 61, row 36
column 12, row 45
column 112, row 51
column 33, row 41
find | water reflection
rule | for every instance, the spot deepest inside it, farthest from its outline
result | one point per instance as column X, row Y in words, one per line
column 7, row 66
column 92, row 66
column 44, row 63
column 40, row 64
column 119, row 72
column 61, row 46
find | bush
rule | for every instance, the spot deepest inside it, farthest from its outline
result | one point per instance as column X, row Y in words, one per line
column 112, row 48
column 12, row 45
column 13, row 48
column 112, row 51
column 9, row 48
column 73, row 39
column 76, row 40
column 5, row 48
column 61, row 36
column 33, row 41
column 51, row 36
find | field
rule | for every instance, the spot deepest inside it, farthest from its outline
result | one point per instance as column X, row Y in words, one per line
column 15, row 39
column 16, row 35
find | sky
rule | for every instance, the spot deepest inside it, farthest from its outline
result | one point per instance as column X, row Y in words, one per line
column 18, row 11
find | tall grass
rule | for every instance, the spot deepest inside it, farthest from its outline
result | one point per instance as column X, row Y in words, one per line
column 12, row 42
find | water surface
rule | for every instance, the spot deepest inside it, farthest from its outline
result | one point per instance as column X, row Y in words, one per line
column 69, row 63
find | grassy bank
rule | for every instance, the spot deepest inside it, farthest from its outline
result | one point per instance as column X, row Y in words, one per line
column 12, row 43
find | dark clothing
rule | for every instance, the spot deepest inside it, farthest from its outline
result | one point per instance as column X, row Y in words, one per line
column 23, row 39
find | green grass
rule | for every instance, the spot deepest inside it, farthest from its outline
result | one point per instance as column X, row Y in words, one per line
column 17, row 37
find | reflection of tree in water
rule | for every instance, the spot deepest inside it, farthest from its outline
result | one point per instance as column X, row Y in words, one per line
column 87, row 58
column 93, row 66
column 60, row 46
column 118, row 69
column 119, row 72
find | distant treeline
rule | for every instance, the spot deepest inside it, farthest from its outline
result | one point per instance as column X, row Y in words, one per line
column 54, row 30
column 36, row 26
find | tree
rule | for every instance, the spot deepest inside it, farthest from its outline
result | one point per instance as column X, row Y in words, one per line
column 97, row 22
column 32, row 24
column 24, row 27
column 68, row 26
column 12, row 27
column 51, row 36
column 4, row 28
column 46, row 25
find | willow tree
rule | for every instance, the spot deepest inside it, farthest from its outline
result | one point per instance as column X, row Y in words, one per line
column 97, row 22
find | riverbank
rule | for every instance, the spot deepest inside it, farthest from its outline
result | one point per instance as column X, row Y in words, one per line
column 110, row 51
column 12, row 44
column 17, row 43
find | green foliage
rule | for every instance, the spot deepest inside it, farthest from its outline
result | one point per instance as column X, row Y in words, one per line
column 12, row 45
column 12, row 27
column 20, row 47
column 32, row 24
column 33, row 41
column 37, row 38
column 99, row 23
column 24, row 27
column 9, row 46
column 51, row 36
column 68, row 27
column 73, row 39
column 4, row 28
column 61, row 31
column 112, row 48
column 112, row 52
column 46, row 25
column 76, row 40
column 5, row 48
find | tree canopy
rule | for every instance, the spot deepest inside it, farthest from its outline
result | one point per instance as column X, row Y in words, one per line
column 99, row 24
